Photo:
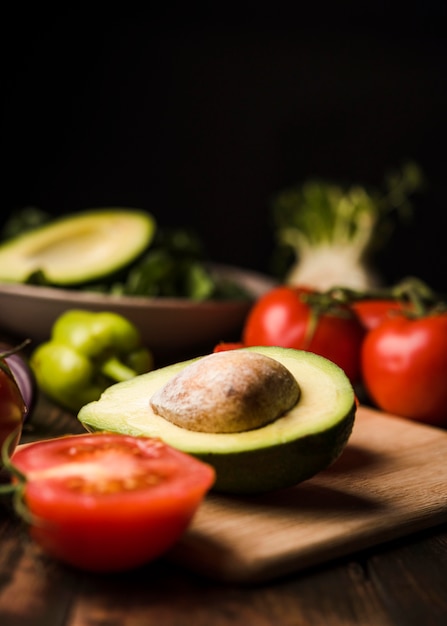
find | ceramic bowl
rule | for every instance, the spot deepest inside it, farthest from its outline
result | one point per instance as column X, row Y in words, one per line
column 170, row 327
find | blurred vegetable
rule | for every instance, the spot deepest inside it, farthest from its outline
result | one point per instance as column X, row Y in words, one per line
column 12, row 405
column 372, row 312
column 27, row 219
column 404, row 359
column 329, row 232
column 376, row 305
column 22, row 373
column 175, row 267
column 86, row 353
column 389, row 340
column 223, row 346
column 304, row 319
column 172, row 266
column 106, row 502
column 77, row 249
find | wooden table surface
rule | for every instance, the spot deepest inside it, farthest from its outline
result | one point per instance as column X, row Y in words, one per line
column 403, row 582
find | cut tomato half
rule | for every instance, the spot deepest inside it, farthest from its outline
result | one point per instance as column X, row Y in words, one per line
column 109, row 502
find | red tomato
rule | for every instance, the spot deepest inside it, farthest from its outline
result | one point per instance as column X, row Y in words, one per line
column 404, row 365
column 283, row 318
column 228, row 345
column 373, row 312
column 109, row 502
column 12, row 407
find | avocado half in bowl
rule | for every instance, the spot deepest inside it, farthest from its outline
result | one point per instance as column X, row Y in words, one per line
column 58, row 266
column 292, row 447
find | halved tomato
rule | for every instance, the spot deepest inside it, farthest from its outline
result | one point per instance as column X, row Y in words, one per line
column 109, row 502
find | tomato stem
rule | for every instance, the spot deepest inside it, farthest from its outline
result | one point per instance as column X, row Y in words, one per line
column 15, row 349
column 15, row 489
column 420, row 296
column 322, row 303
column 6, row 452
column 411, row 290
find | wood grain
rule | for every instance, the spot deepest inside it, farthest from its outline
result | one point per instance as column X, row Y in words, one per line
column 399, row 582
column 390, row 481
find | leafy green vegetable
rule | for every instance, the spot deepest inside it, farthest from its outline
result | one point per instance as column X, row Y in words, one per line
column 22, row 221
column 175, row 266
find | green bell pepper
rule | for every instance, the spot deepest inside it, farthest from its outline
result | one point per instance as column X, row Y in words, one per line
column 87, row 352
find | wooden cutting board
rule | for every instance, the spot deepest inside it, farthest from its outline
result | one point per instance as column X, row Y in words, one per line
column 390, row 481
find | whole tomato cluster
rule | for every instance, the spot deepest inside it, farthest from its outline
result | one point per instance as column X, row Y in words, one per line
column 391, row 343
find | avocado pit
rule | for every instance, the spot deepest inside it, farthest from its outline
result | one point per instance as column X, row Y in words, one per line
column 227, row 392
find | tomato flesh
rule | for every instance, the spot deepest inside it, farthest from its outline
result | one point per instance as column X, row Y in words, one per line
column 107, row 502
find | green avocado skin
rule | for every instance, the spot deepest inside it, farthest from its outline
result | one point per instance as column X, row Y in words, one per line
column 288, row 464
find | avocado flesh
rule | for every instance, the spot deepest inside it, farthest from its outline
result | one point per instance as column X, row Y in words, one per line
column 78, row 248
column 293, row 448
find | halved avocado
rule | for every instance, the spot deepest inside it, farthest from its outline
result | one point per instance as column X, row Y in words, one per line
column 78, row 248
column 293, row 448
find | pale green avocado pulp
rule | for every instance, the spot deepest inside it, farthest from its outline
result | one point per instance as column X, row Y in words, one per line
column 78, row 248
column 293, row 448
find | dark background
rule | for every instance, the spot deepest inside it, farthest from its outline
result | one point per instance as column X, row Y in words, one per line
column 201, row 116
